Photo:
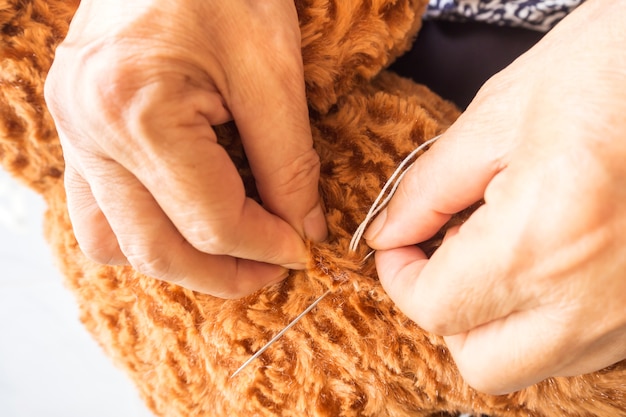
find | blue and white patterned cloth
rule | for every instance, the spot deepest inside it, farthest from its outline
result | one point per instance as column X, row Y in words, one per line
column 539, row 15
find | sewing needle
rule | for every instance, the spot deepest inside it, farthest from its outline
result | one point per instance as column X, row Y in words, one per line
column 282, row 332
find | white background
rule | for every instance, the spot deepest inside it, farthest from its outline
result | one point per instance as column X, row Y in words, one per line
column 49, row 365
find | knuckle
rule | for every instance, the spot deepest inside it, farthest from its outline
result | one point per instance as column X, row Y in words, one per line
column 493, row 377
column 100, row 251
column 149, row 258
column 430, row 316
column 234, row 290
column 494, row 85
column 481, row 381
column 111, row 87
column 417, row 187
column 107, row 75
column 98, row 243
column 301, row 174
column 240, row 280
column 429, row 321
column 409, row 189
column 93, row 234
column 87, row 87
column 479, row 370
column 214, row 245
column 216, row 238
column 149, row 261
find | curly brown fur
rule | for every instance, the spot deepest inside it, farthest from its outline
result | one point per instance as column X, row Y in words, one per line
column 355, row 354
column 346, row 43
column 30, row 31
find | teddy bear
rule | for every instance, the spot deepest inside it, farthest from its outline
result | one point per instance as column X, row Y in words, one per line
column 355, row 353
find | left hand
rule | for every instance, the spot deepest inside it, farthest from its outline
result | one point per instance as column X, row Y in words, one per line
column 135, row 90
column 533, row 284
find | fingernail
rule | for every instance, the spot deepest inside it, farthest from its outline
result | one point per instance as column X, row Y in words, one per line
column 314, row 225
column 377, row 225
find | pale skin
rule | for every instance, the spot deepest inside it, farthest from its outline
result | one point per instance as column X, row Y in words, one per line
column 135, row 90
column 531, row 286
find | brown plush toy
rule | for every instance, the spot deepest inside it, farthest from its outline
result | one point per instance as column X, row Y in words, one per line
column 355, row 354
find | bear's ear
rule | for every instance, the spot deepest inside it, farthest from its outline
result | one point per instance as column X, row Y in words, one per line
column 348, row 42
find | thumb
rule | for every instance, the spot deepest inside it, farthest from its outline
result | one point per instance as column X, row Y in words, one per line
column 270, row 109
column 448, row 178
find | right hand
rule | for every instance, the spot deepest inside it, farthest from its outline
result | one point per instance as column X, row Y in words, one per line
column 135, row 90
column 532, row 285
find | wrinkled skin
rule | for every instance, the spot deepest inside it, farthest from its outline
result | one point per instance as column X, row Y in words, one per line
column 135, row 90
column 533, row 284
column 538, row 270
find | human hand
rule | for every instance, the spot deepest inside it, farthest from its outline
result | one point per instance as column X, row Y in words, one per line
column 533, row 284
column 135, row 90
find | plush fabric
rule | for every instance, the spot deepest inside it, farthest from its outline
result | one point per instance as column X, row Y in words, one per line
column 355, row 354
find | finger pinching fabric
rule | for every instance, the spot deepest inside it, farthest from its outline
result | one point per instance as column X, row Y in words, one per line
column 356, row 354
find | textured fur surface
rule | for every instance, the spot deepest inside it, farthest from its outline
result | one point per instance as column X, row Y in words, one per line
column 355, row 354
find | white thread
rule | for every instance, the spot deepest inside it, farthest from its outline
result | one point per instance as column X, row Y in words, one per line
column 369, row 255
column 393, row 182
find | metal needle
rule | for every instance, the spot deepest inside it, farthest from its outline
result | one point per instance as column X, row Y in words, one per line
column 282, row 332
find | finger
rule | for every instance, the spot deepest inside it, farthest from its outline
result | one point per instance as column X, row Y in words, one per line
column 468, row 280
column 448, row 178
column 154, row 247
column 475, row 291
column 527, row 347
column 512, row 353
column 176, row 156
column 92, row 230
column 398, row 270
column 269, row 106
column 205, row 199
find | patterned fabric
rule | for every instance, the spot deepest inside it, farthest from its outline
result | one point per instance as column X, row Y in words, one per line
column 539, row 15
